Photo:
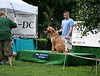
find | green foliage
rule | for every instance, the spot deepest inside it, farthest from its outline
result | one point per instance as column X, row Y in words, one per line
column 43, row 44
column 89, row 11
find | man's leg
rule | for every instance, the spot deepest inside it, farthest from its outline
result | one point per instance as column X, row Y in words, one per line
column 66, row 45
column 69, row 44
column 10, row 60
column 65, row 42
column 8, row 50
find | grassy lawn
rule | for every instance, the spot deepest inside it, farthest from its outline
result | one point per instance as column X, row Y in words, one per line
column 22, row 68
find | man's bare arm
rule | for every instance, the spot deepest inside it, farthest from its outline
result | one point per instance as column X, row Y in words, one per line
column 15, row 20
column 60, row 29
column 71, row 29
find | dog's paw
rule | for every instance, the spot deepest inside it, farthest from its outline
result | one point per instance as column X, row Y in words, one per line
column 51, row 51
column 55, row 52
column 65, row 52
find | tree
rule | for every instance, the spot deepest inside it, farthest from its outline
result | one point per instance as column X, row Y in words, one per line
column 89, row 11
column 51, row 12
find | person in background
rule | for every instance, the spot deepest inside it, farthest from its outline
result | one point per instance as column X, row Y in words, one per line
column 14, row 53
column 5, row 35
column 67, row 28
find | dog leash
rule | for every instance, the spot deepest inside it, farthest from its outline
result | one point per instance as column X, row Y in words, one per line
column 57, row 37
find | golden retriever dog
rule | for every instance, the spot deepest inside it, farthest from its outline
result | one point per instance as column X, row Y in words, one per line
column 57, row 42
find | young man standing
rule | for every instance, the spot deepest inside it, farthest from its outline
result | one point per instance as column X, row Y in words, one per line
column 5, row 35
column 67, row 27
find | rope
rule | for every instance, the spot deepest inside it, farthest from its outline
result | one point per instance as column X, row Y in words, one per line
column 84, row 57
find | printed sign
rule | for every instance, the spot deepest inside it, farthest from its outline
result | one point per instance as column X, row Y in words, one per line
column 26, row 25
column 91, row 40
column 41, row 56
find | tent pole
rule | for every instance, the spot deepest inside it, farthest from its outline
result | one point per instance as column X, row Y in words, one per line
column 6, row 11
column 36, row 42
column 64, row 61
column 96, row 67
column 36, row 29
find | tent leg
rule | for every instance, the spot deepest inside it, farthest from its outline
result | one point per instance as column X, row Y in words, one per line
column 96, row 67
column 36, row 29
column 92, row 69
column 6, row 12
column 64, row 61
column 36, row 42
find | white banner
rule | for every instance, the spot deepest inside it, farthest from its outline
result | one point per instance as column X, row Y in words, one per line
column 26, row 25
column 91, row 40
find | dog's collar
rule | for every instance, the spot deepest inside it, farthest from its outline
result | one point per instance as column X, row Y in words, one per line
column 57, row 37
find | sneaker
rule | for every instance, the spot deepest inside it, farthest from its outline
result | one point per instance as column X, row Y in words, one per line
column 3, row 62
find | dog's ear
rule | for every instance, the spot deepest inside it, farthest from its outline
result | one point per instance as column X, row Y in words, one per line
column 53, row 30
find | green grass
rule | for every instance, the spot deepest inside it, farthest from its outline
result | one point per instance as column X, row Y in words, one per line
column 22, row 68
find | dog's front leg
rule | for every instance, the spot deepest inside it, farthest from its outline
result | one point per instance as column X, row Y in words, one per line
column 53, row 46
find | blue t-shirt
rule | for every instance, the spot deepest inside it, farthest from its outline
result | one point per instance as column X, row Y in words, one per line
column 66, row 24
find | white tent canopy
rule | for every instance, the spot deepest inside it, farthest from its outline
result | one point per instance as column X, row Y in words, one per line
column 19, row 6
column 26, row 17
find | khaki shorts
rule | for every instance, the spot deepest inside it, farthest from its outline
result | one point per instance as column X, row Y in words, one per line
column 5, row 45
column 68, row 43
